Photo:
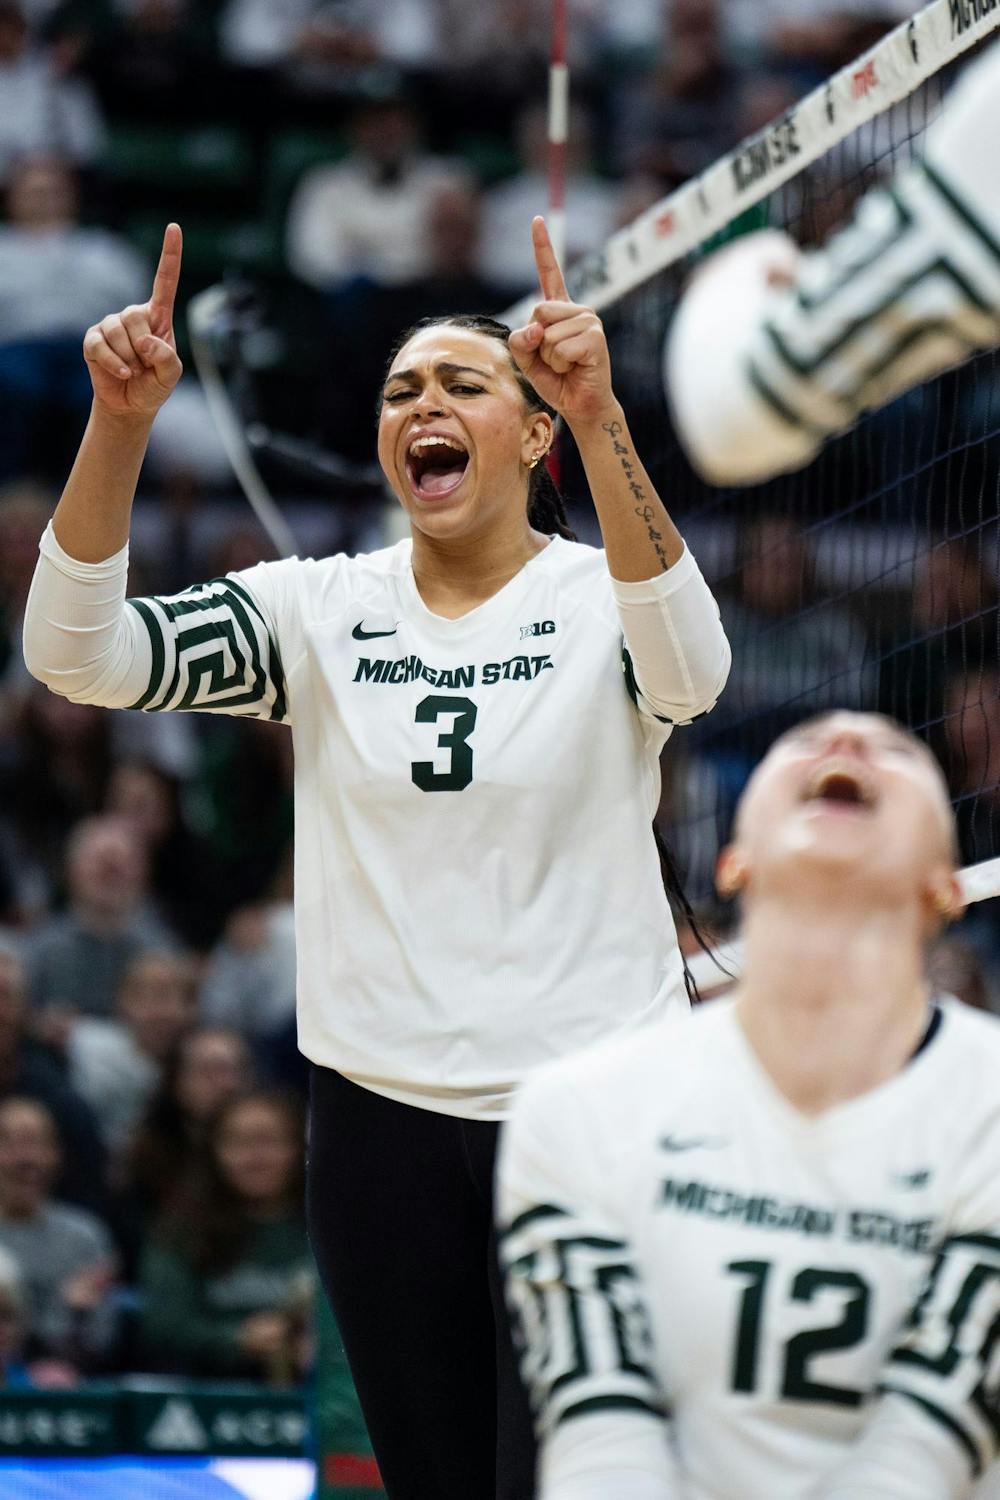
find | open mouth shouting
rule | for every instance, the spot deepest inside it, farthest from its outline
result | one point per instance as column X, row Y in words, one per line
column 436, row 464
column 841, row 786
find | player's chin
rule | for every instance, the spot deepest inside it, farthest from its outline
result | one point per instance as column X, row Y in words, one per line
column 449, row 516
column 835, row 834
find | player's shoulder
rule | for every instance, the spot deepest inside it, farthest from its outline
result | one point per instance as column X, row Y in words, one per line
column 620, row 1075
column 580, row 573
column 961, row 1082
column 573, row 561
column 970, row 1040
column 959, row 1072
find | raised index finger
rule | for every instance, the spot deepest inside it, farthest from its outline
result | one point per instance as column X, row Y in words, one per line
column 168, row 274
column 550, row 276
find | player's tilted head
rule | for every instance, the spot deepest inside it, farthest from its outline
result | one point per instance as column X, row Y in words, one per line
column 462, row 433
column 853, row 807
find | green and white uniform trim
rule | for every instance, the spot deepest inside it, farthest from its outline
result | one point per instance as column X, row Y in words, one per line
column 211, row 649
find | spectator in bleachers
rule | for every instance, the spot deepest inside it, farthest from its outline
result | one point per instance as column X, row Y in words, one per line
column 794, row 651
column 23, row 508
column 365, row 331
column 955, row 968
column 17, row 1372
column 65, row 1254
column 249, row 980
column 42, row 110
column 28, row 1070
column 813, row 40
column 954, row 625
column 502, row 49
column 77, row 960
column 14, row 1373
column 56, row 278
column 53, row 773
column 367, row 217
column 155, row 64
column 405, row 34
column 972, row 757
column 330, row 44
column 185, row 878
column 209, row 1066
column 677, row 121
column 506, row 258
column 244, row 788
column 259, row 34
column 452, row 280
column 117, row 1065
column 691, row 817
column 220, row 1278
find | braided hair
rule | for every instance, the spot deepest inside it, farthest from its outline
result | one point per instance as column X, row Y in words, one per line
column 546, row 506
column 547, row 513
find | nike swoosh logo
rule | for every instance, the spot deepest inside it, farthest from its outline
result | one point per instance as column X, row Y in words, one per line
column 370, row 635
column 916, row 1179
column 694, row 1143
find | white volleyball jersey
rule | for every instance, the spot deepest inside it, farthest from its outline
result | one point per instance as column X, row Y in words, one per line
column 713, row 1288
column 477, row 889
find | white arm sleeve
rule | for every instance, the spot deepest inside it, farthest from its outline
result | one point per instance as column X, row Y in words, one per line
column 579, row 1314
column 211, row 647
column 759, row 376
column 607, row 1456
column 677, row 655
column 79, row 639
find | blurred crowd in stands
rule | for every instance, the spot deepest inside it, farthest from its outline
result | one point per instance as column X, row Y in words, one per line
column 359, row 164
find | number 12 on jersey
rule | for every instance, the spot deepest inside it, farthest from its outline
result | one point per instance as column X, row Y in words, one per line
column 462, row 712
column 807, row 1285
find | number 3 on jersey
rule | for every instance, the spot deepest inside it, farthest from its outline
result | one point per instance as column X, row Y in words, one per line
column 456, row 778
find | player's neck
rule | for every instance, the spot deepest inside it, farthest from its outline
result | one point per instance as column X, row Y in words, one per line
column 834, row 1003
column 454, row 575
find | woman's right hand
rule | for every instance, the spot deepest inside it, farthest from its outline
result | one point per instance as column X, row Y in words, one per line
column 131, row 355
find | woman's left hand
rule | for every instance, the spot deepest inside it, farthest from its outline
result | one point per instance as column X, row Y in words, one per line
column 563, row 350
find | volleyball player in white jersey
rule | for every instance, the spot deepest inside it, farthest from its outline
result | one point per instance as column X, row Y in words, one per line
column 773, row 351
column 477, row 717
column 756, row 1256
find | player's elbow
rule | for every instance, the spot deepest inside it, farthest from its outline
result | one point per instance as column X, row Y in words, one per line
column 39, row 664
column 63, row 683
column 698, row 694
column 80, row 683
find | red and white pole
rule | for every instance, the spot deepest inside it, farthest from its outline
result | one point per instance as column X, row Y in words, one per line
column 558, row 127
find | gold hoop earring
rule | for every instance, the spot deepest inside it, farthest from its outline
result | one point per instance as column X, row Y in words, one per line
column 537, row 459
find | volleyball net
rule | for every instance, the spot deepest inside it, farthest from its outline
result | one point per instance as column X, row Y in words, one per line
column 869, row 577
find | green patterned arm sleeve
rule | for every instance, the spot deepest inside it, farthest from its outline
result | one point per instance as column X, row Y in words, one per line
column 213, row 650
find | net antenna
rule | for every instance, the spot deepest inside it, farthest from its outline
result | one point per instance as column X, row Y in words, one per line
column 558, row 127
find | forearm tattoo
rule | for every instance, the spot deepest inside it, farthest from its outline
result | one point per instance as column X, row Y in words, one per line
column 643, row 509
